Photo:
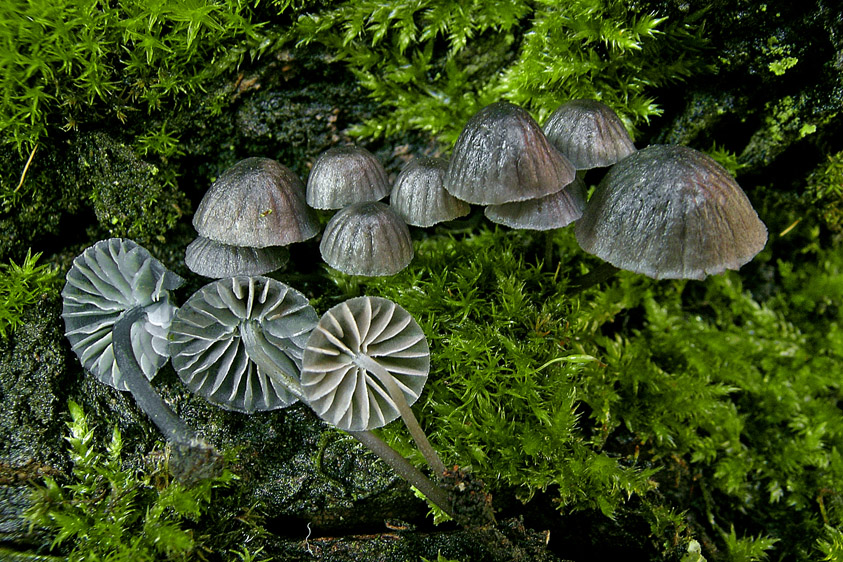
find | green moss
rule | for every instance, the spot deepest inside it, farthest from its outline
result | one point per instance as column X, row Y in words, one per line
column 67, row 62
column 432, row 64
column 825, row 189
column 689, row 397
column 110, row 512
column 21, row 286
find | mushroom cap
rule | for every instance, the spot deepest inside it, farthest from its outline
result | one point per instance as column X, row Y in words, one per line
column 546, row 213
column 419, row 197
column 589, row 133
column 367, row 239
column 214, row 259
column 502, row 156
column 257, row 203
column 343, row 175
column 107, row 279
column 346, row 394
column 206, row 341
column 671, row 212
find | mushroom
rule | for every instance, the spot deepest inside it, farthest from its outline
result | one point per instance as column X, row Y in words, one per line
column 117, row 313
column 502, row 156
column 257, row 203
column 343, row 175
column 367, row 239
column 419, row 196
column 671, row 212
column 589, row 133
column 238, row 342
column 556, row 210
column 364, row 364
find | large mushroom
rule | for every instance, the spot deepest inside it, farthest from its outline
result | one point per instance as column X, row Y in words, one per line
column 671, row 212
column 117, row 311
column 419, row 196
column 238, row 342
column 247, row 217
column 502, row 156
column 364, row 365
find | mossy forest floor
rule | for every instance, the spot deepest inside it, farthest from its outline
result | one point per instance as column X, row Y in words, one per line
column 635, row 419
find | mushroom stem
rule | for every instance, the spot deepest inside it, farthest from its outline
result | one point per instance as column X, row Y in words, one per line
column 407, row 471
column 187, row 442
column 433, row 460
column 256, row 345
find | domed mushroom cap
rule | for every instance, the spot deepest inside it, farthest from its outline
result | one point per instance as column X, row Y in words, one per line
column 213, row 259
column 589, row 133
column 419, row 195
column 367, row 239
column 257, row 203
column 671, row 212
column 343, row 392
column 107, row 279
column 546, row 213
column 502, row 156
column 343, row 175
column 210, row 335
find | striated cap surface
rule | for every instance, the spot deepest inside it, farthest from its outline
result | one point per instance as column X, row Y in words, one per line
column 671, row 212
column 556, row 210
column 589, row 133
column 257, row 203
column 213, row 259
column 367, row 239
column 419, row 195
column 343, row 175
column 502, row 156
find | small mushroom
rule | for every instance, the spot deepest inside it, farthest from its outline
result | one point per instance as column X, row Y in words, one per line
column 556, row 210
column 212, row 259
column 344, row 175
column 671, row 212
column 238, row 342
column 367, row 239
column 589, row 133
column 257, row 203
column 117, row 311
column 419, row 196
column 365, row 363
column 502, row 156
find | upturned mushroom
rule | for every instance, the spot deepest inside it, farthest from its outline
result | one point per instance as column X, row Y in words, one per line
column 238, row 342
column 671, row 212
column 589, row 133
column 344, row 175
column 249, row 213
column 364, row 365
column 502, row 156
column 367, row 239
column 117, row 311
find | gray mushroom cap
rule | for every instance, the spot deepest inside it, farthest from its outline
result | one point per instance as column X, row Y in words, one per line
column 344, row 175
column 552, row 211
column 106, row 280
column 256, row 203
column 214, row 259
column 212, row 332
column 589, row 133
column 502, row 156
column 367, row 239
column 671, row 212
column 419, row 195
column 343, row 392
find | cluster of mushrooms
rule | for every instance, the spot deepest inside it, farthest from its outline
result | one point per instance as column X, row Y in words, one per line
column 247, row 343
column 665, row 211
column 250, row 343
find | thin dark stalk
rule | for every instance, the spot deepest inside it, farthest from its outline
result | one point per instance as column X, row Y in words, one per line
column 599, row 274
column 407, row 471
